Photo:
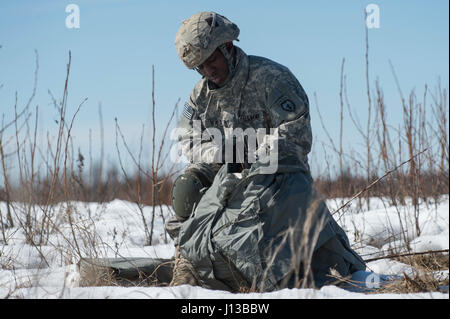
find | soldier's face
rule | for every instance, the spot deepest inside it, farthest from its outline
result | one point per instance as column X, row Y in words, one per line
column 215, row 68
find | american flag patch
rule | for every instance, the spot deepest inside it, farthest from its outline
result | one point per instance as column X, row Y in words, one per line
column 188, row 111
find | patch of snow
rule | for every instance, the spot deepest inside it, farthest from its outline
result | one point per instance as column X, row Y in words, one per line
column 116, row 229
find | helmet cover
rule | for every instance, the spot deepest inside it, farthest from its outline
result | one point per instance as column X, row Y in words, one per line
column 200, row 35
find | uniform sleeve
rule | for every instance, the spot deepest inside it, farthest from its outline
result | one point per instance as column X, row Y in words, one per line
column 288, row 109
column 195, row 146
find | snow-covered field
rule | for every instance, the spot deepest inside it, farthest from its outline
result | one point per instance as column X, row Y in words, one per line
column 116, row 229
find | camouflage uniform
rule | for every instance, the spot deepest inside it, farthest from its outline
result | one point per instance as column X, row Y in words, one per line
column 259, row 94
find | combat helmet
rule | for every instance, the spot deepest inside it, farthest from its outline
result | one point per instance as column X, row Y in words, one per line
column 200, row 35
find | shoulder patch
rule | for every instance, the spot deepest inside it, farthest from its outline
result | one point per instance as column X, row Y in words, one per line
column 188, row 111
column 288, row 105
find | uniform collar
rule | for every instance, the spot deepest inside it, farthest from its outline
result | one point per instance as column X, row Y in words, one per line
column 239, row 76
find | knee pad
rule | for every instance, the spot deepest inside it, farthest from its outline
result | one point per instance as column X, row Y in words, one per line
column 186, row 193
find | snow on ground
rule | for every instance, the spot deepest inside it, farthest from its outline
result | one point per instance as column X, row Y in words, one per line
column 116, row 229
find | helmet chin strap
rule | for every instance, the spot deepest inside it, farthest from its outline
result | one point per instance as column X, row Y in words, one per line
column 229, row 57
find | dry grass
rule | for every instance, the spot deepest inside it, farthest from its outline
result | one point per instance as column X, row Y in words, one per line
column 418, row 282
column 423, row 278
column 93, row 275
column 428, row 263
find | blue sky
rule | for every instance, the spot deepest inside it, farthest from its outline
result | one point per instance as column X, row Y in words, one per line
column 118, row 42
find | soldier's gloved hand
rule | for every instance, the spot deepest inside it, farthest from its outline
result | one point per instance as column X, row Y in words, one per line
column 240, row 161
column 228, row 185
column 235, row 167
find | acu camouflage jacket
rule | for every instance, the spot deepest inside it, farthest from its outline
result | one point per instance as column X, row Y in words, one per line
column 261, row 94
